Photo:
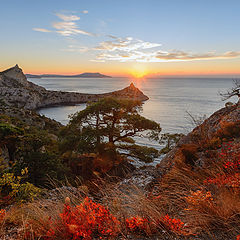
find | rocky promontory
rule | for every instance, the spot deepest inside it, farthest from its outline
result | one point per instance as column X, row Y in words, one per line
column 221, row 126
column 17, row 91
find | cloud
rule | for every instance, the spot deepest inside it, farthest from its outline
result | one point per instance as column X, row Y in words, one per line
column 85, row 11
column 69, row 26
column 163, row 56
column 231, row 54
column 127, row 44
column 96, row 60
column 185, row 56
column 126, row 57
column 42, row 30
column 67, row 17
column 129, row 49
column 75, row 48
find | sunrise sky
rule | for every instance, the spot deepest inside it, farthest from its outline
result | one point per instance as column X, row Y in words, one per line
column 138, row 37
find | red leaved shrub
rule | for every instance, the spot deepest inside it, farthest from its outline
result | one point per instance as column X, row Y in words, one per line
column 199, row 196
column 85, row 221
column 230, row 163
column 228, row 180
column 174, row 224
column 137, row 224
column 2, row 215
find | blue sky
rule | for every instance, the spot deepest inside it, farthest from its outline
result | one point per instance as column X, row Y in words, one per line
column 155, row 36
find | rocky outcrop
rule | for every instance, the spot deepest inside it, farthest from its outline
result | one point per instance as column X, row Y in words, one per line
column 17, row 91
column 204, row 133
column 30, row 118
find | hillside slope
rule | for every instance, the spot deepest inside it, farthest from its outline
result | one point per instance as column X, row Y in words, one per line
column 206, row 134
column 200, row 180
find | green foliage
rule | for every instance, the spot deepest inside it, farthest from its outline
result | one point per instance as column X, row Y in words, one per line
column 32, row 148
column 28, row 192
column 3, row 165
column 42, row 166
column 170, row 140
column 142, row 153
column 8, row 131
column 9, row 137
column 82, row 143
column 9, row 185
column 13, row 188
column 39, row 153
column 111, row 121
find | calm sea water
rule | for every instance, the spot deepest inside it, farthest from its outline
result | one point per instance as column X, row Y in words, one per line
column 170, row 98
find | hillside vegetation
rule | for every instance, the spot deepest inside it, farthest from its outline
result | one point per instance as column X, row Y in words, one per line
column 197, row 197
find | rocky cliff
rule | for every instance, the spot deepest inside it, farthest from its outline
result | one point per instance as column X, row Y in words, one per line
column 17, row 91
column 221, row 126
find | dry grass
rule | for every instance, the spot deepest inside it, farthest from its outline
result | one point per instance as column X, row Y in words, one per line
column 32, row 219
column 208, row 210
column 220, row 213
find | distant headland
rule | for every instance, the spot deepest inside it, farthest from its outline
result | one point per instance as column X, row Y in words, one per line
column 82, row 75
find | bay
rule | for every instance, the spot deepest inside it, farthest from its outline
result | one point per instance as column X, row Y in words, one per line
column 170, row 99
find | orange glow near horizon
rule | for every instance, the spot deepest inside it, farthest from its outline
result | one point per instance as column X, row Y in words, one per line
column 138, row 74
column 130, row 70
column 139, row 71
column 133, row 74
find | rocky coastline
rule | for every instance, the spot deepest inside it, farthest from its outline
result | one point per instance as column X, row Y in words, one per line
column 17, row 91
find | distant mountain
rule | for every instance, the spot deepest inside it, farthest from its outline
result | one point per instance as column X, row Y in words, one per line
column 32, row 76
column 82, row 75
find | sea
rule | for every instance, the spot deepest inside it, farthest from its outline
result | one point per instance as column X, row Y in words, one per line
column 171, row 100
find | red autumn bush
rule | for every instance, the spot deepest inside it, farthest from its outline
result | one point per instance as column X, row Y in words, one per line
column 174, row 224
column 85, row 221
column 230, row 156
column 199, row 196
column 137, row 224
column 228, row 180
column 2, row 215
column 230, row 160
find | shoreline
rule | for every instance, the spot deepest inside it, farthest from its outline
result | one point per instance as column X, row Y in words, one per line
column 58, row 105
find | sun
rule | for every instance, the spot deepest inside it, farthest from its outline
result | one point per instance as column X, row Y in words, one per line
column 138, row 71
column 137, row 74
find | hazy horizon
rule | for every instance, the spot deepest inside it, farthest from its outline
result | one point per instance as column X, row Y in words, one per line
column 148, row 76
